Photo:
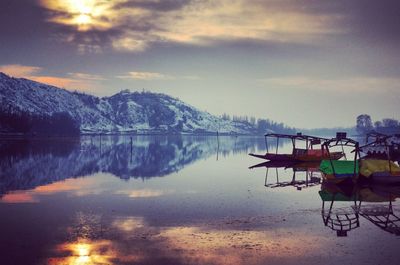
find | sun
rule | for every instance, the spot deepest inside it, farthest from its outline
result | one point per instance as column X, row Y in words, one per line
column 82, row 12
column 83, row 20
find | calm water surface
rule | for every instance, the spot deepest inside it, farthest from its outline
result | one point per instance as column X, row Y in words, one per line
column 178, row 200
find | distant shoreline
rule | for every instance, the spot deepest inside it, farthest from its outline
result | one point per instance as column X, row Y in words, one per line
column 23, row 136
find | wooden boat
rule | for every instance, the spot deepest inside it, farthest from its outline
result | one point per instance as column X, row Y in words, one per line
column 381, row 145
column 374, row 136
column 379, row 171
column 307, row 154
column 376, row 166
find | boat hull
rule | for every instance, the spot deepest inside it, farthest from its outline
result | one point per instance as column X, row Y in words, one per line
column 384, row 179
column 275, row 157
column 298, row 158
column 296, row 165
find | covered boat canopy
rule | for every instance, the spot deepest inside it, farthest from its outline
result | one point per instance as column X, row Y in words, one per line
column 339, row 168
column 310, row 140
column 384, row 147
column 306, row 153
column 374, row 136
column 297, row 136
column 374, row 166
column 381, row 137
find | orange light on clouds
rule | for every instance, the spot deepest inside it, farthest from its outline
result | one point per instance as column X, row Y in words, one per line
column 17, row 70
column 57, row 81
column 75, row 81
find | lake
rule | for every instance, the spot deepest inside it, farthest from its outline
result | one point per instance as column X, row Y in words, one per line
column 180, row 200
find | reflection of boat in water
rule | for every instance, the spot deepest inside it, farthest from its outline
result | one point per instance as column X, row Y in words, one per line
column 381, row 215
column 372, row 202
column 312, row 175
column 344, row 219
column 309, row 153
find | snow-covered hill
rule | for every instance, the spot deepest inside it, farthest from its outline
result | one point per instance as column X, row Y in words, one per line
column 122, row 112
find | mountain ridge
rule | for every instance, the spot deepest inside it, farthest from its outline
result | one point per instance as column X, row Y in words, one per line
column 123, row 112
column 140, row 112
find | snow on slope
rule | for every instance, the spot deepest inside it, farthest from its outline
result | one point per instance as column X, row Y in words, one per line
column 122, row 112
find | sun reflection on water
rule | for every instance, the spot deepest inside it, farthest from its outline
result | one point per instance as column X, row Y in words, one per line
column 83, row 250
column 84, row 253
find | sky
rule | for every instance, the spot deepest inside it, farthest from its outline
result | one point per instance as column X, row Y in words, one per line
column 306, row 63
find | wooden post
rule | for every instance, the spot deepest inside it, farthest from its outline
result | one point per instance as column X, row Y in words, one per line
column 131, row 148
column 217, row 144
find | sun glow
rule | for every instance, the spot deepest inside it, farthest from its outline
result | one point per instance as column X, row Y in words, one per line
column 84, row 10
column 83, row 14
column 83, row 19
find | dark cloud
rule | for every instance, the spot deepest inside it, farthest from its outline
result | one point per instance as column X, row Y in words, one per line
column 371, row 19
column 376, row 20
column 304, row 6
column 162, row 5
column 20, row 20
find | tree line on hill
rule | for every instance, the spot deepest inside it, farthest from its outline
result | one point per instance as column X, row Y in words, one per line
column 261, row 126
column 18, row 122
column 364, row 125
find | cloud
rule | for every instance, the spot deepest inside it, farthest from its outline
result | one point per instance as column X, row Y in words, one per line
column 155, row 5
column 204, row 22
column 60, row 82
column 351, row 84
column 75, row 81
column 17, row 70
column 135, row 25
column 131, row 42
column 145, row 76
column 86, row 76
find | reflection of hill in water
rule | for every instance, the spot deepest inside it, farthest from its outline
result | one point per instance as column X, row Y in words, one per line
column 26, row 164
